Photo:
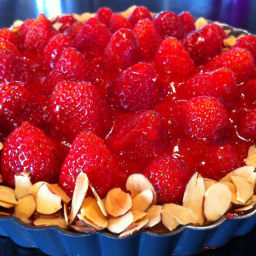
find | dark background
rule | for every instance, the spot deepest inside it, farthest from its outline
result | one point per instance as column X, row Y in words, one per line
column 238, row 13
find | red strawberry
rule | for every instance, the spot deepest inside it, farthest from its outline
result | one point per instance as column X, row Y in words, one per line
column 219, row 83
column 23, row 29
column 238, row 60
column 169, row 176
column 27, row 149
column 73, row 30
column 139, row 13
column 104, row 14
column 54, row 48
column 137, row 88
column 4, row 45
column 122, row 50
column 247, row 125
column 249, row 91
column 203, row 44
column 66, row 21
column 148, row 37
column 38, row 34
column 173, row 61
column 12, row 67
column 78, row 106
column 93, row 36
column 90, row 155
column 204, row 117
column 17, row 105
column 8, row 35
column 247, row 42
column 168, row 24
column 139, row 135
column 118, row 21
column 187, row 21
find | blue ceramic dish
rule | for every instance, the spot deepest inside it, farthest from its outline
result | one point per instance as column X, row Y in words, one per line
column 186, row 240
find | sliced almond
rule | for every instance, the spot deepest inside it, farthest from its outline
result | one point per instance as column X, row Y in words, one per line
column 60, row 222
column 22, row 185
column 246, row 207
column 27, row 221
column 65, row 213
column 91, row 211
column 85, row 229
column 79, row 194
column 135, row 227
column 100, row 202
column 232, row 189
column 143, row 200
column 119, row 224
column 169, row 222
column 25, row 207
column 200, row 22
column 4, row 213
column 7, row 195
column 138, row 215
column 57, row 25
column 251, row 158
column 229, row 41
column 253, row 198
column 6, row 205
column 193, row 197
column 208, row 183
column 57, row 190
column 217, row 201
column 1, row 179
column 118, row 202
column 35, row 187
column 1, row 146
column 128, row 11
column 46, row 201
column 244, row 188
column 137, row 183
column 154, row 215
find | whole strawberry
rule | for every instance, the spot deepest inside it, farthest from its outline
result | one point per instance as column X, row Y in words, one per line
column 137, row 88
column 5, row 45
column 148, row 37
column 78, row 106
column 139, row 13
column 90, row 155
column 27, row 149
column 66, row 21
column 247, row 125
column 104, row 14
column 8, row 35
column 247, row 42
column 204, row 117
column 187, row 21
column 173, row 61
column 169, row 176
column 239, row 61
column 118, row 21
column 168, row 24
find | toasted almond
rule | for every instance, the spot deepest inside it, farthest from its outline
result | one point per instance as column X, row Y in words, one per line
column 232, row 189
column 246, row 207
column 119, row 224
column 128, row 11
column 46, row 201
column 143, row 200
column 79, row 194
column 25, row 207
column 208, row 183
column 92, row 212
column 230, row 41
column 138, row 215
column 253, row 198
column 100, row 202
column 134, row 227
column 193, row 197
column 1, row 179
column 137, row 183
column 118, row 202
column 35, row 187
column 182, row 214
column 65, row 213
column 251, row 158
column 169, row 222
column 6, row 205
column 200, row 22
column 227, row 31
column 57, row 25
column 57, row 190
column 16, row 25
column 86, row 16
column 84, row 229
column 1, row 146
column 60, row 222
column 217, row 201
column 27, row 221
column 244, row 188
column 4, row 213
column 7, row 195
column 88, row 223
column 22, row 184
column 154, row 215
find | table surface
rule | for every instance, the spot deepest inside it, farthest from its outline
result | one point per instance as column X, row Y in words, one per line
column 239, row 13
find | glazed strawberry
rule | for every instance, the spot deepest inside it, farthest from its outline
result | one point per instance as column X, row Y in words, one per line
column 169, row 176
column 23, row 29
column 104, row 14
column 12, row 67
column 66, row 21
column 139, row 135
column 239, row 61
column 247, row 125
column 204, row 117
column 168, row 24
column 248, row 91
column 148, row 37
column 38, row 34
column 173, row 61
column 93, row 36
column 27, row 149
column 118, row 21
column 203, row 44
column 90, row 155
column 137, row 88
column 247, row 42
column 73, row 30
column 78, row 106
column 139, row 13
column 8, row 35
column 4, row 45
column 122, row 50
column 219, row 83
column 54, row 48
column 18, row 105
column 187, row 21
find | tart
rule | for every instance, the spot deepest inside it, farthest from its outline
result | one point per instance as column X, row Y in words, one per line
column 126, row 121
